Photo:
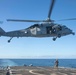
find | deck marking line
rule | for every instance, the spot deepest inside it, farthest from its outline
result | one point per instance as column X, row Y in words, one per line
column 35, row 73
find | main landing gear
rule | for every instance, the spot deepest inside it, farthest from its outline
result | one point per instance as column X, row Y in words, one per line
column 10, row 39
column 54, row 38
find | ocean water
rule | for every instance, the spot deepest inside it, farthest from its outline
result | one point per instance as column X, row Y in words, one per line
column 70, row 63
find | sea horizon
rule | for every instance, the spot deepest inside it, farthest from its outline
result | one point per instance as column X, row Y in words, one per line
column 71, row 63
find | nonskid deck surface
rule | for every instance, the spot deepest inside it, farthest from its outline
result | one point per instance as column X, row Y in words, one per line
column 24, row 70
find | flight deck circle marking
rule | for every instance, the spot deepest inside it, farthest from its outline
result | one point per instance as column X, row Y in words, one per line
column 31, row 71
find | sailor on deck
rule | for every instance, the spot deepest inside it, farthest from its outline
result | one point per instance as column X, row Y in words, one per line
column 56, row 63
column 9, row 72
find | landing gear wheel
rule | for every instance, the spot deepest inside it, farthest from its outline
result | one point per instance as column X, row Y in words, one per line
column 8, row 41
column 59, row 35
column 54, row 39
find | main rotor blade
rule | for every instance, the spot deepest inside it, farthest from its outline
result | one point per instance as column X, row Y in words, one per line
column 16, row 20
column 67, row 19
column 51, row 8
column 24, row 20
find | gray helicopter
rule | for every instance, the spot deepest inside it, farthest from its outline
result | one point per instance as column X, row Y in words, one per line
column 46, row 29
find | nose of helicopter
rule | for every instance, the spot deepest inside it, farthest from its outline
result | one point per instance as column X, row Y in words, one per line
column 71, row 32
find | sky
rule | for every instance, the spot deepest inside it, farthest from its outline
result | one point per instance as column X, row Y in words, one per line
column 64, row 47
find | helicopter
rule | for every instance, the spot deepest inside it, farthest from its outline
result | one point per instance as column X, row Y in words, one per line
column 45, row 29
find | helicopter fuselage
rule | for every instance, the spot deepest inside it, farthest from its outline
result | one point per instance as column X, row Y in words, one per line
column 41, row 30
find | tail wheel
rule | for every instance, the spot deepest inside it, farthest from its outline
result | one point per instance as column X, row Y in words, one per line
column 8, row 41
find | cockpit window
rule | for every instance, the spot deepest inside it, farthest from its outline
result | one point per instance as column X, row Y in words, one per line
column 65, row 27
